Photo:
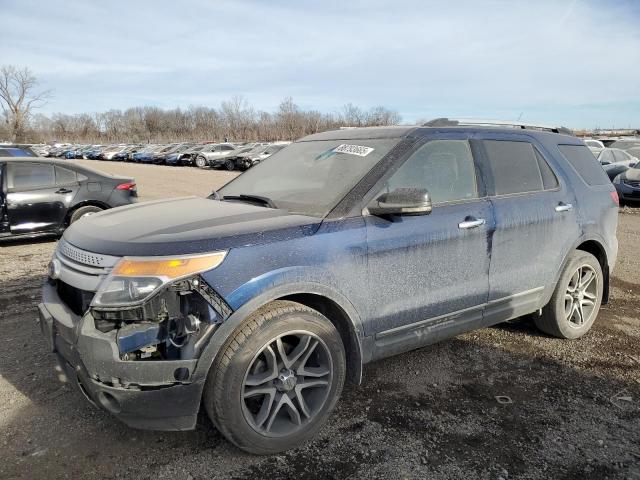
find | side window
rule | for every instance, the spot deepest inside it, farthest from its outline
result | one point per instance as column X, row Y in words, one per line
column 549, row 179
column 514, row 167
column 26, row 176
column 65, row 176
column 585, row 164
column 444, row 167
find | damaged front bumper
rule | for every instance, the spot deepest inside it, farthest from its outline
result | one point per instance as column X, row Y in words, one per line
column 157, row 395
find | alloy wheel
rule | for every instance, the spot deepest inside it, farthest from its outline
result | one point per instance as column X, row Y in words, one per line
column 287, row 384
column 581, row 296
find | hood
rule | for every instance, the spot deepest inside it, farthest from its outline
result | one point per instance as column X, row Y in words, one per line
column 183, row 226
column 632, row 174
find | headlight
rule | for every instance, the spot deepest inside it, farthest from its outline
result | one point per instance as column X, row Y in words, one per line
column 135, row 279
column 617, row 180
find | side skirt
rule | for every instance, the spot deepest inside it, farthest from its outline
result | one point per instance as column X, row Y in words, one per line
column 416, row 335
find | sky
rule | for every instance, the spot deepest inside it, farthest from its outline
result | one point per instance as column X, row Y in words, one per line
column 574, row 63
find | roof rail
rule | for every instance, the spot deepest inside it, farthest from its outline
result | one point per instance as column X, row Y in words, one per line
column 453, row 122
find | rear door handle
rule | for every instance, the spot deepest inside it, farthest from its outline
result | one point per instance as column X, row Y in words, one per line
column 64, row 190
column 564, row 207
column 471, row 223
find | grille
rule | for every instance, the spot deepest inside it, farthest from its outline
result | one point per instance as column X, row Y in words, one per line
column 633, row 183
column 80, row 256
column 80, row 275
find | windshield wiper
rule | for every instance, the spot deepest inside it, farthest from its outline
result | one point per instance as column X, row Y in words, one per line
column 251, row 198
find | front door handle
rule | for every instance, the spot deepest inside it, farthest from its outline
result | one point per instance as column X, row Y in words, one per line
column 471, row 223
column 564, row 207
column 64, row 190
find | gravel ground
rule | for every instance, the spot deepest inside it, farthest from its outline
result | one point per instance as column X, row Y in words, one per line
column 573, row 409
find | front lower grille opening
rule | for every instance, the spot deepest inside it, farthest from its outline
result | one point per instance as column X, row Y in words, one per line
column 76, row 299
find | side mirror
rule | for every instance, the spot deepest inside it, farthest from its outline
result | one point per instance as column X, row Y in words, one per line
column 402, row 201
column 604, row 162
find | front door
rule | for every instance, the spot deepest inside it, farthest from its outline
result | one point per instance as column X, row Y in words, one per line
column 429, row 274
column 33, row 201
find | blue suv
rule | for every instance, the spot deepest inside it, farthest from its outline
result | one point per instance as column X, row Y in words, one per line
column 260, row 302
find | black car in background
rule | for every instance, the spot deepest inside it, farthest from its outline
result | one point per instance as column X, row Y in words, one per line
column 41, row 196
column 15, row 151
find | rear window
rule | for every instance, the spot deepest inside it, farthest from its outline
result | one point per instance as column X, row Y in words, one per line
column 514, row 167
column 583, row 161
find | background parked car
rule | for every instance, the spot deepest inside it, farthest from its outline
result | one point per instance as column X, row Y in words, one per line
column 609, row 156
column 145, row 153
column 42, row 196
column 7, row 150
column 228, row 160
column 631, row 146
column 123, row 155
column 212, row 152
column 249, row 159
column 596, row 146
column 161, row 157
column 627, row 184
column 184, row 157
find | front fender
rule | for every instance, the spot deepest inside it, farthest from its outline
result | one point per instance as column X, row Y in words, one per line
column 272, row 290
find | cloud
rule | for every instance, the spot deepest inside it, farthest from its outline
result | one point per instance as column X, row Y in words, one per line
column 566, row 62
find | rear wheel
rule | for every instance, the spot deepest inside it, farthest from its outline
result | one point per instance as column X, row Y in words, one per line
column 576, row 300
column 201, row 162
column 277, row 380
column 83, row 212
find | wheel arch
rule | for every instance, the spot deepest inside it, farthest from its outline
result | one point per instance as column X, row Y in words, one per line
column 339, row 318
column 333, row 305
column 596, row 247
column 84, row 203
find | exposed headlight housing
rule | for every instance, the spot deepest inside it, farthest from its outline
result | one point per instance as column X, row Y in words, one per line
column 136, row 279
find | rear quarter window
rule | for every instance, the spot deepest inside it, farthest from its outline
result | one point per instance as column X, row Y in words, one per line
column 585, row 164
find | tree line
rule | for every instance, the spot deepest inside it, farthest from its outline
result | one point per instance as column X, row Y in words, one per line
column 235, row 119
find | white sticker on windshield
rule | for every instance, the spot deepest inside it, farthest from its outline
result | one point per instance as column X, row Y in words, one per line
column 359, row 150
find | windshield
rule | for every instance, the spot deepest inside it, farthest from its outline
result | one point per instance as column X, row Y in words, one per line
column 310, row 178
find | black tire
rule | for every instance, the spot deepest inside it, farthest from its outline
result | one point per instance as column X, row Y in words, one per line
column 225, row 395
column 230, row 165
column 201, row 162
column 82, row 211
column 555, row 319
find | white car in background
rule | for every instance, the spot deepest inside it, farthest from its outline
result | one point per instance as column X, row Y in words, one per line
column 596, row 146
column 207, row 155
column 610, row 156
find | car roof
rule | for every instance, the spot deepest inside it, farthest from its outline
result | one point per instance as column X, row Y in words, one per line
column 406, row 130
column 61, row 163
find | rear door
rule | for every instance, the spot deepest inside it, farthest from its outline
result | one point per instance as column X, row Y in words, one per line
column 429, row 274
column 33, row 201
column 535, row 223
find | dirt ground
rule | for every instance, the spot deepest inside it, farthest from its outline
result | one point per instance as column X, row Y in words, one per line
column 573, row 409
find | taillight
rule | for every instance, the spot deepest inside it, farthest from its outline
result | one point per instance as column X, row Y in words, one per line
column 615, row 197
column 126, row 186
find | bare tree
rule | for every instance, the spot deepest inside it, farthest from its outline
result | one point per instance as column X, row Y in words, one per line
column 18, row 98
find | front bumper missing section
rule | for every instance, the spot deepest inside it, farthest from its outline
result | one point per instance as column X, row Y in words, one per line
column 142, row 394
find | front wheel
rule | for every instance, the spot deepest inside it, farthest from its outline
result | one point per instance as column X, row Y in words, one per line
column 201, row 162
column 277, row 379
column 576, row 300
column 230, row 165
